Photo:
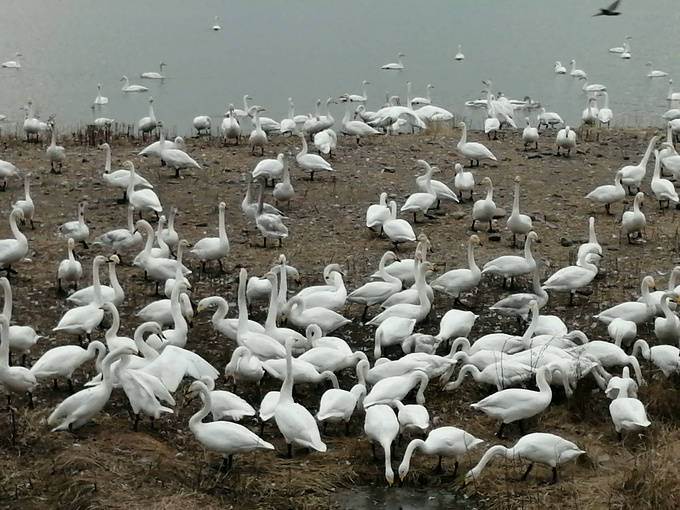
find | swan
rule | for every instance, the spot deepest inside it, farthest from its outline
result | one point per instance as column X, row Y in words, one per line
column 13, row 250
column 537, row 447
column 154, row 149
column 257, row 138
column 463, row 181
column 21, row 338
column 214, row 248
column 120, row 178
column 396, row 229
column 592, row 243
column 356, row 128
column 377, row 214
column 441, row 190
column 608, row 355
column 70, row 269
column 269, row 224
column 571, row 278
column 671, row 161
column 443, row 442
column 548, row 119
column 590, row 114
column 458, row 281
column 509, row 266
column 325, row 142
column 518, row 305
column 62, row 361
column 559, row 68
column 518, row 223
column 279, row 334
column 296, row 423
column 635, row 311
column 656, row 73
column 408, row 310
column 288, row 125
column 100, row 100
column 13, row 379
column 456, row 323
column 473, row 151
column 83, row 319
column 141, row 199
column 226, row 438
column 594, row 87
column 56, row 153
column 485, row 209
column 628, row 413
column 269, row 168
column 397, row 387
column 609, row 194
column 605, row 114
column 423, row 100
column 113, row 293
column 7, row 169
column 412, row 418
column 422, row 201
column 154, row 75
column 243, row 367
column 656, row 296
column 175, row 158
column 404, row 269
column 662, row 188
column 514, row 404
column 284, row 191
column 622, row 331
column 502, row 374
column 225, row 404
column 249, row 208
column 303, row 371
column 169, row 235
column 178, row 335
column 121, row 238
column 80, row 408
column 338, row 405
column 373, row 293
column 634, row 221
column 634, row 174
column 667, row 328
column 396, row 66
column 666, row 357
column 459, row 55
column 158, row 269
column 565, row 139
column 132, row 88
column 576, row 73
column 332, row 295
column 302, row 316
column 530, row 134
column 13, row 64
column 410, row 295
column 227, row 327
column 626, row 51
column 230, row 126
column 393, row 330
column 77, row 229
column 160, row 311
column 148, row 124
column 311, row 162
column 356, row 98
column 382, row 426
column 216, row 27
column 32, row 126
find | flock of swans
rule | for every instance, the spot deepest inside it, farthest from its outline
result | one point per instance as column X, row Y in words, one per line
column 295, row 344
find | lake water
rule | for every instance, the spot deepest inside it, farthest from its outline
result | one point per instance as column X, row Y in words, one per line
column 308, row 50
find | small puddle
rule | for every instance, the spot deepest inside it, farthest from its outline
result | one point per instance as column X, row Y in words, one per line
column 362, row 498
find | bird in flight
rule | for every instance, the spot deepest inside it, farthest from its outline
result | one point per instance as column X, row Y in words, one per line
column 609, row 11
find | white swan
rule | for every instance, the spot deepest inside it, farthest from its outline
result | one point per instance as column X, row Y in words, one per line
column 515, row 404
column 609, row 194
column 576, row 73
column 142, row 199
column 13, row 379
column 13, row 64
column 338, row 405
column 633, row 175
column 441, row 190
column 458, row 281
column 80, row 408
column 464, row 180
column 214, row 248
column 548, row 119
column 395, row 66
column 381, row 426
column 216, row 27
column 225, row 404
column 295, row 422
column 230, row 126
column 450, row 442
column 121, row 238
column 120, row 178
column 485, row 209
column 565, row 139
column 154, row 75
column 662, row 188
column 100, row 100
column 594, row 87
column 269, row 168
column 628, row 413
column 258, row 137
column 422, row 201
column 7, row 169
column 502, row 374
column 396, row 387
column 530, row 134
column 356, row 128
column 592, row 242
column 243, row 367
column 605, row 114
column 13, row 250
column 608, row 355
column 225, row 438
column 76, row 229
column 473, row 151
column 634, row 221
column 509, row 266
column 666, row 357
column 397, row 229
column 311, row 162
column 148, row 124
column 537, row 447
column 373, row 293
column 269, row 224
column 113, row 293
column 70, row 270
column 21, row 338
column 377, row 214
column 622, row 331
column 228, row 327
column 175, row 157
column 571, row 278
column 667, row 328
column 635, row 311
column 518, row 223
column 284, row 191
column 559, row 68
column 393, row 330
column 56, row 153
column 62, row 361
column 132, row 88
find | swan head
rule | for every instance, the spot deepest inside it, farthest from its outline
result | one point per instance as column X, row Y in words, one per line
column 129, row 165
column 123, row 78
column 402, row 54
column 474, row 239
column 104, row 146
column 114, row 258
column 163, row 64
column 518, row 178
column 486, row 181
column 461, row 125
column 532, row 236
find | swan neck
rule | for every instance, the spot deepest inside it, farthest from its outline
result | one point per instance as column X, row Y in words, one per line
column 205, row 410
column 221, row 228
column 641, row 346
column 242, row 306
column 494, row 451
column 592, row 237
column 273, row 299
column 115, row 323
column 95, row 282
column 7, row 308
column 515, row 202
column 287, row 386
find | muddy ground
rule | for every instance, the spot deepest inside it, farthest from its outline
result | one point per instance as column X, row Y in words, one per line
column 107, row 465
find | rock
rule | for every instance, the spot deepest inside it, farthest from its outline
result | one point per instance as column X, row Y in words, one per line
column 565, row 241
column 494, row 238
column 458, row 215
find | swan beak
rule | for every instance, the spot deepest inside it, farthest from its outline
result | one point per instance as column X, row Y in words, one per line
column 390, row 481
column 298, row 280
column 199, row 310
column 467, row 481
column 227, row 376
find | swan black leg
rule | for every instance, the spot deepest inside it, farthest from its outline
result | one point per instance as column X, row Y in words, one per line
column 526, row 473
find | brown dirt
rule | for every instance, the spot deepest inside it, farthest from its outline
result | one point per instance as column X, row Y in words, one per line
column 106, row 465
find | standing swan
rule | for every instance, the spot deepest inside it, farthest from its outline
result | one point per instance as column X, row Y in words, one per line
column 382, row 426
column 295, row 422
column 214, row 248
column 473, row 151
column 518, row 223
column 566, row 139
column 13, row 250
column 223, row 437
column 26, row 204
column 56, row 153
column 148, row 124
column 537, row 447
column 258, row 138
